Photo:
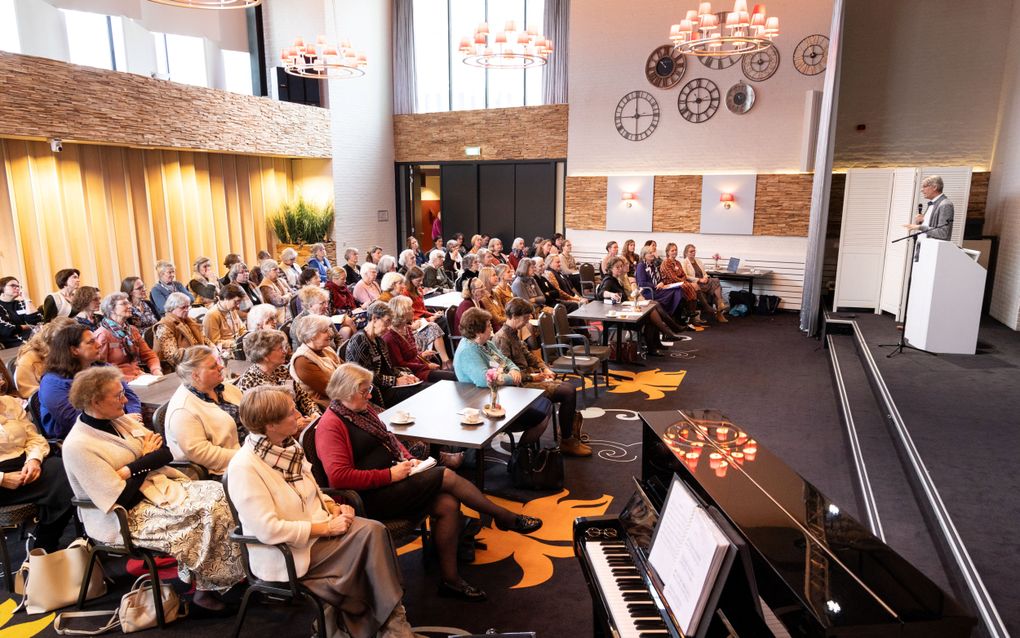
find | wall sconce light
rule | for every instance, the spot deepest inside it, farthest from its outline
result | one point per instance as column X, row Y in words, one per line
column 727, row 200
column 629, row 198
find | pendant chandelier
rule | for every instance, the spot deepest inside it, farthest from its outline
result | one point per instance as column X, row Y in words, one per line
column 323, row 60
column 210, row 4
column 506, row 49
column 706, row 34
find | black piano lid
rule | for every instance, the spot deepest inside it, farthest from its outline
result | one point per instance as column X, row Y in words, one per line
column 857, row 580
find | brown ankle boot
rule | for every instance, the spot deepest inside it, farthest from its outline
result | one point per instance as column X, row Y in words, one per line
column 721, row 317
column 573, row 446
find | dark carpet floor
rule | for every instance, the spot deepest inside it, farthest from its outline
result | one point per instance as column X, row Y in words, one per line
column 766, row 376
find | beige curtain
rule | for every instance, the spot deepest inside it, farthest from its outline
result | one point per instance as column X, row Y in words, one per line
column 405, row 91
column 554, row 80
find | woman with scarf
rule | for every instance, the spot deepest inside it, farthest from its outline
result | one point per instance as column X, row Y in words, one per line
column 367, row 349
column 240, row 274
column 341, row 301
column 176, row 331
column 120, row 343
column 359, row 453
column 404, row 350
column 269, row 352
column 672, row 271
column 314, row 361
column 143, row 311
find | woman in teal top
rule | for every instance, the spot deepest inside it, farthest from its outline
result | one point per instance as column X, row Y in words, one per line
column 476, row 354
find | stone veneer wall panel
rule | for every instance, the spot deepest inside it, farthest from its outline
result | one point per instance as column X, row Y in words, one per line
column 47, row 98
column 523, row 133
column 677, row 204
column 585, row 206
column 782, row 205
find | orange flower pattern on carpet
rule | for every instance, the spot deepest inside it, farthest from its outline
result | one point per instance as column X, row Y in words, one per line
column 654, row 383
column 24, row 630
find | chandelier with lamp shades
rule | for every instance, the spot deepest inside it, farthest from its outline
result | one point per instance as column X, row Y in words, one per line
column 323, row 60
column 210, row 4
column 706, row 34
column 506, row 49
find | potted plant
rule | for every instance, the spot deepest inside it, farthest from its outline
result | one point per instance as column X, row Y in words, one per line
column 298, row 224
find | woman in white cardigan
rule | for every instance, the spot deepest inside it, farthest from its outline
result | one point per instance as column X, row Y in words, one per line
column 111, row 459
column 347, row 561
column 202, row 424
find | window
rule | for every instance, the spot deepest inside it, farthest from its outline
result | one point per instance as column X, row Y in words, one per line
column 237, row 71
column 444, row 82
column 88, row 38
column 182, row 58
column 9, row 40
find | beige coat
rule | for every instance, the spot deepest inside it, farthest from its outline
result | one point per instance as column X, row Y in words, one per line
column 17, row 433
column 199, row 431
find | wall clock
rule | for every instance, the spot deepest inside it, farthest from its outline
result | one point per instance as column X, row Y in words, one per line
column 810, row 55
column 637, row 115
column 698, row 100
column 716, row 63
column 760, row 65
column 665, row 67
column 740, row 98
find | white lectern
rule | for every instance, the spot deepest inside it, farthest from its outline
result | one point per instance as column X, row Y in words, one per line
column 946, row 291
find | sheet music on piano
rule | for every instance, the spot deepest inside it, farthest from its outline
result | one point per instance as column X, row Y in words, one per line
column 689, row 553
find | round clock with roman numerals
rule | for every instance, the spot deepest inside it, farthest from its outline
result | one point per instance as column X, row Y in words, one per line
column 811, row 54
column 717, row 63
column 637, row 115
column 761, row 65
column 665, row 67
column 698, row 100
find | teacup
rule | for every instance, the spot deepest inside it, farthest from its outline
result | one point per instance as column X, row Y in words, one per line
column 471, row 415
column 402, row 416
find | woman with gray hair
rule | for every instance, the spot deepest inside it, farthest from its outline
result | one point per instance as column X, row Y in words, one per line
column 314, row 360
column 204, row 285
column 387, row 263
column 289, row 267
column 407, row 260
column 470, row 270
column 274, row 290
column 346, row 560
column 262, row 317
column 202, row 424
column 403, row 346
column 110, row 460
column 367, row 290
column 367, row 349
column 120, row 343
column 269, row 353
column 452, row 261
column 525, row 286
column 240, row 275
column 315, row 301
column 176, row 331
column 319, row 261
column 166, row 283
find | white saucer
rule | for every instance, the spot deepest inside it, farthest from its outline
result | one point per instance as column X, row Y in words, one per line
column 407, row 422
column 478, row 422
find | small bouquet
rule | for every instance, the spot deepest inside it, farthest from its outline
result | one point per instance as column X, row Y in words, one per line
column 493, row 377
column 717, row 257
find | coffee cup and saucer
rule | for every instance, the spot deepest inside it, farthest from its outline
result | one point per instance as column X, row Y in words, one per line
column 471, row 416
column 402, row 417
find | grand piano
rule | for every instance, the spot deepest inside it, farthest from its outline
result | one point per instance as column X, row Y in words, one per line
column 805, row 568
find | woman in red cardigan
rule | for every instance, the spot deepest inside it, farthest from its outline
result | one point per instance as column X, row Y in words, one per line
column 403, row 350
column 358, row 452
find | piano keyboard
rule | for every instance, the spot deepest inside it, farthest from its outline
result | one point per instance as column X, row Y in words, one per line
column 632, row 610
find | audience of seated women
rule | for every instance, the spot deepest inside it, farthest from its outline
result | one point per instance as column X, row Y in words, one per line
column 536, row 374
column 404, row 350
column 111, row 460
column 203, row 284
column 611, row 288
column 85, row 307
column 202, row 424
column 58, row 303
column 72, row 349
column 672, row 272
column 222, row 325
column 319, row 262
column 166, row 275
column 476, row 354
column 525, row 286
column 274, row 289
column 315, row 301
column 122, row 344
column 428, row 333
column 30, row 363
column 314, row 360
column 240, row 275
column 351, row 266
column 28, row 473
column 176, row 332
column 367, row 349
column 262, row 317
column 143, row 311
column 269, row 354
column 650, row 284
column 15, row 320
column 358, row 452
column 347, row 561
column 367, row 289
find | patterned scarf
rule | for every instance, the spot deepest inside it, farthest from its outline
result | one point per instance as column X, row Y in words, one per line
column 123, row 335
column 286, row 459
column 230, row 408
column 368, row 422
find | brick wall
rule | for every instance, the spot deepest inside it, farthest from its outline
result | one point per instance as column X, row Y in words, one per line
column 782, row 205
column 531, row 132
column 47, row 98
column 677, row 204
column 585, row 203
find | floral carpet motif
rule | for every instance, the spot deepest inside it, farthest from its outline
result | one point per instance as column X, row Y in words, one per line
column 654, row 382
column 23, row 630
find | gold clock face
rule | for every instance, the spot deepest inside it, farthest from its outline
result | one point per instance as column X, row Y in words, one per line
column 811, row 54
column 665, row 67
column 761, row 65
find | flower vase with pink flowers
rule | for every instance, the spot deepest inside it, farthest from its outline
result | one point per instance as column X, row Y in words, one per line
column 716, row 257
column 493, row 377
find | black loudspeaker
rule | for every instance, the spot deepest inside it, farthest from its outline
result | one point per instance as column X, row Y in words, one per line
column 292, row 88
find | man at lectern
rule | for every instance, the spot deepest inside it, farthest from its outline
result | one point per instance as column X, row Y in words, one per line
column 937, row 219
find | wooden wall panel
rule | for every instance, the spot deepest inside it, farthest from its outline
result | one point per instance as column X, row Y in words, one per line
column 112, row 211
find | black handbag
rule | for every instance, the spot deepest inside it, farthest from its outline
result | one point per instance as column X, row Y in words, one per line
column 536, row 468
column 767, row 305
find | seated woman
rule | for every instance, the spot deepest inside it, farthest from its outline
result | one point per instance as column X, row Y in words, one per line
column 392, row 284
column 386, row 263
column 569, row 266
column 274, row 289
column 404, row 350
column 502, row 293
column 176, row 331
column 262, row 317
column 375, row 254
column 672, row 272
column 15, row 320
column 111, row 460
column 269, row 353
column 612, row 250
column 289, row 268
column 357, row 452
column 367, row 349
column 202, row 425
column 630, row 256
column 256, row 272
column 610, row 287
column 518, row 251
column 166, row 283
column 72, row 349
column 526, row 287
column 31, row 360
column 475, row 356
column 536, row 374
column 561, row 283
column 351, row 266
column 434, row 274
column 427, row 330
column 469, row 270
column 452, row 260
column 143, row 311
column 650, row 283
column 474, row 295
column 204, row 285
column 314, row 360
column 709, row 289
column 319, row 262
column 228, row 263
column 341, row 299
column 58, row 304
column 315, row 301
column 489, row 277
column 240, row 275
column 347, row 561
column 406, row 260
column 28, row 474
column 85, row 307
column 120, row 343
column 222, row 325
column 367, row 290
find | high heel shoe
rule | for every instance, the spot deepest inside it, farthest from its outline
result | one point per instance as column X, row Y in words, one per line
column 463, row 590
column 522, row 524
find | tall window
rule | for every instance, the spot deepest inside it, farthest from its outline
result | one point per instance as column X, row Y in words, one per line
column 237, row 71
column 444, row 82
column 89, row 40
column 182, row 58
column 9, row 28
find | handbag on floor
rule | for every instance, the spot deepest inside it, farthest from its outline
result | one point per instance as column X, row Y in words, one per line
column 536, row 468
column 136, row 612
column 767, row 305
column 52, row 581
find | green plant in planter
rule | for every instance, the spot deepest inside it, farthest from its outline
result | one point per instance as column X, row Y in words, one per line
column 299, row 222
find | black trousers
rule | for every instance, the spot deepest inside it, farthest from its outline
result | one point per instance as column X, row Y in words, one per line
column 51, row 493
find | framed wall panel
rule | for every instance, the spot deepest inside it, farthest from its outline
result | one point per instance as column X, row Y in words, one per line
column 460, row 199
column 496, row 195
column 535, row 201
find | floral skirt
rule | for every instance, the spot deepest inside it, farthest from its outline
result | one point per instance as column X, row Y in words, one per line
column 425, row 337
column 196, row 533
